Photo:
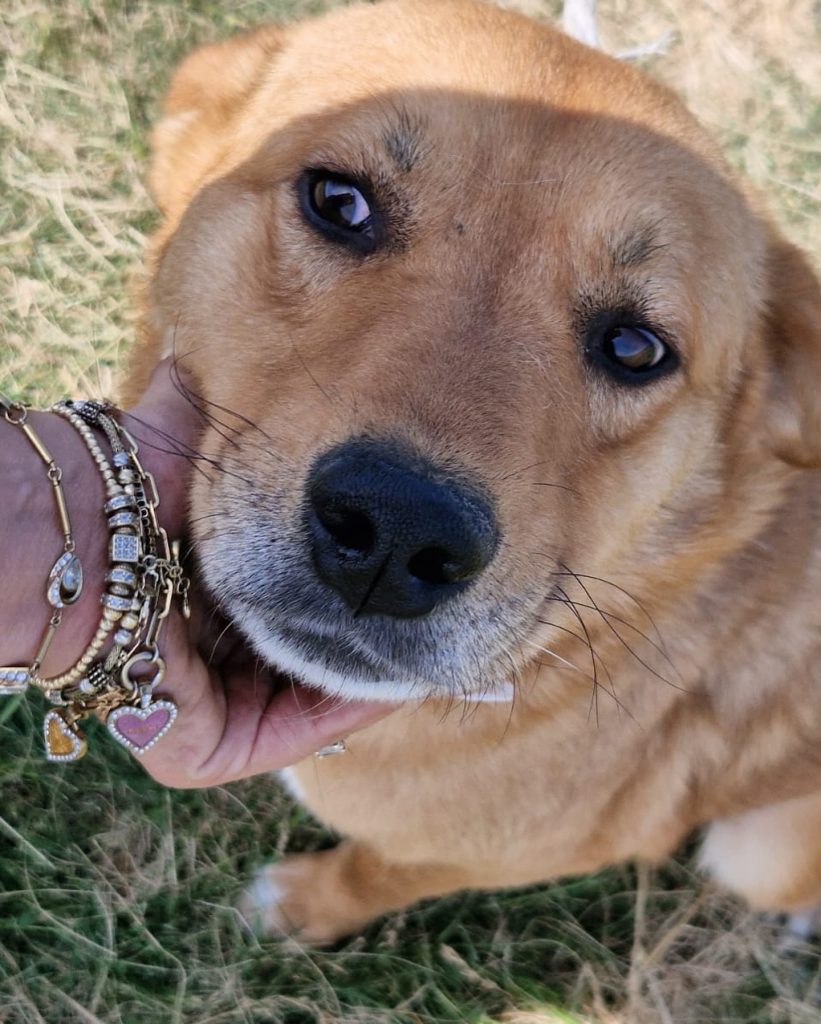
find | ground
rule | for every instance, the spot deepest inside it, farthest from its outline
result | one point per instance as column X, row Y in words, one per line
column 115, row 895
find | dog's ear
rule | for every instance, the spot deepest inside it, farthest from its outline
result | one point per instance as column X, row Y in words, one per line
column 207, row 93
column 793, row 326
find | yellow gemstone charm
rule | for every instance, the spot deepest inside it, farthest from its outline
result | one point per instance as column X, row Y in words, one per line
column 64, row 742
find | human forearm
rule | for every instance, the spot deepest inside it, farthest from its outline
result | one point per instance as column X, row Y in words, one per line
column 31, row 541
column 234, row 718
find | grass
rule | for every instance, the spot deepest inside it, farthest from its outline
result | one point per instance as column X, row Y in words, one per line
column 116, row 895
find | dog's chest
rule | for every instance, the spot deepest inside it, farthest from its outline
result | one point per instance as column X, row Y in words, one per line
column 570, row 795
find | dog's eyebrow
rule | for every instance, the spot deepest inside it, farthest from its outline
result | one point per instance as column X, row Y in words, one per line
column 405, row 142
column 636, row 248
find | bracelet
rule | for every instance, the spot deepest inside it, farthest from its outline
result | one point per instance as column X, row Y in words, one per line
column 144, row 576
column 65, row 580
column 114, row 605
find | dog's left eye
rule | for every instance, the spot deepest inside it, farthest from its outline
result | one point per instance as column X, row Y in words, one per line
column 338, row 207
column 634, row 348
column 340, row 203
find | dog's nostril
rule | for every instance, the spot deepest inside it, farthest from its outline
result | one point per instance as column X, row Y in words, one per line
column 353, row 531
column 435, row 565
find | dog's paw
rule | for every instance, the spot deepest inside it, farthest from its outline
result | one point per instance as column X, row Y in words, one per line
column 259, row 904
column 297, row 898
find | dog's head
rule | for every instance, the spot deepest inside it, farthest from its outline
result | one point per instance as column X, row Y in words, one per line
column 470, row 308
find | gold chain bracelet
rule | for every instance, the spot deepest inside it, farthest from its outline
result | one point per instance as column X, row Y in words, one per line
column 143, row 579
column 65, row 580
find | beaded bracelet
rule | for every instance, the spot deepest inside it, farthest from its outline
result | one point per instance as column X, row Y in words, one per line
column 143, row 578
column 114, row 604
column 65, row 580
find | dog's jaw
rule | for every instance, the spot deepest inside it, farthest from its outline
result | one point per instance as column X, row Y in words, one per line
column 280, row 655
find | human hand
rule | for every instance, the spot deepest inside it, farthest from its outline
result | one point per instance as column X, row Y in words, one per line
column 236, row 717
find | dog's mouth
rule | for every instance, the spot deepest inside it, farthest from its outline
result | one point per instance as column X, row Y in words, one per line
column 335, row 663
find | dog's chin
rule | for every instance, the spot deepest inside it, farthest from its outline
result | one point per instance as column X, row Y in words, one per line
column 357, row 680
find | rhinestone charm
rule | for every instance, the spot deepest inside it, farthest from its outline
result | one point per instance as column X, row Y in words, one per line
column 13, row 679
column 125, row 547
column 120, row 503
column 63, row 741
column 120, row 519
column 331, row 750
column 89, row 409
column 120, row 574
column 138, row 729
column 65, row 581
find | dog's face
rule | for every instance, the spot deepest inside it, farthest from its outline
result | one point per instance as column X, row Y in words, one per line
column 469, row 307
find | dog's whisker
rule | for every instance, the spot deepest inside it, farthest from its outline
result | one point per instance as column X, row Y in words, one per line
column 210, row 659
column 177, row 448
column 599, row 579
column 192, row 456
column 194, row 520
column 562, row 660
column 589, row 640
column 594, row 653
column 512, row 474
column 230, row 434
column 582, row 640
column 561, row 487
column 310, row 374
column 621, row 639
column 611, row 691
column 630, row 625
column 187, row 391
column 597, row 684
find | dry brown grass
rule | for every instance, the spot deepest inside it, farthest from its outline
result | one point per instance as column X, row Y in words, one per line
column 80, row 84
column 81, row 81
column 751, row 71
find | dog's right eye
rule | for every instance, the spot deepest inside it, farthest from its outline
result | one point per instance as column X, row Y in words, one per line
column 631, row 352
column 339, row 208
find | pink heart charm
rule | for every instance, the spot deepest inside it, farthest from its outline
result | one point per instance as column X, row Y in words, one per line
column 138, row 729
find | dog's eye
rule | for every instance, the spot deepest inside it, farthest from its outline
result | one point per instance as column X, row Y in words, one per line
column 340, row 203
column 634, row 348
column 338, row 207
column 628, row 352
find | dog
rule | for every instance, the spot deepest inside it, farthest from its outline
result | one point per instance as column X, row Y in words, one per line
column 519, row 393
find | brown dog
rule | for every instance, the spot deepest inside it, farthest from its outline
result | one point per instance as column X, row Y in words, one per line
column 519, row 393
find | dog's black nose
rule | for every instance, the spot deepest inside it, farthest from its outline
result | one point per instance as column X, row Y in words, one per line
column 392, row 534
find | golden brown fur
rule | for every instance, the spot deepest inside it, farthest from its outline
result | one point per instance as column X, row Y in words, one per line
column 655, row 592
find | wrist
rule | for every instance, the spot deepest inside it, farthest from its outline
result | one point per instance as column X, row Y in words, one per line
column 31, row 541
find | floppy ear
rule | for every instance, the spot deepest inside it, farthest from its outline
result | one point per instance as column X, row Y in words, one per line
column 793, row 325
column 207, row 93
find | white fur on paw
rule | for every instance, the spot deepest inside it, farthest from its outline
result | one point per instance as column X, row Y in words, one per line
column 260, row 904
column 805, row 925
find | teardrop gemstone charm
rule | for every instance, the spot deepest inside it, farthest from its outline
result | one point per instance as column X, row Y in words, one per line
column 65, row 581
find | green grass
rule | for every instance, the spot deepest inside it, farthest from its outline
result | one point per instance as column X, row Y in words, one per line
column 115, row 894
column 116, row 897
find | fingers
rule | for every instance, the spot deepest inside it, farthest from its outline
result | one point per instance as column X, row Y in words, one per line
column 235, row 719
column 293, row 724
column 301, row 720
column 241, row 720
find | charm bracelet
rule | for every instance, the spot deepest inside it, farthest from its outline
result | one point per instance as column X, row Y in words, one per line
column 144, row 576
